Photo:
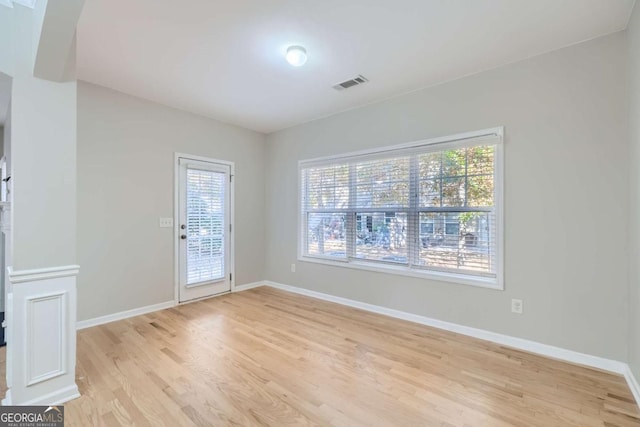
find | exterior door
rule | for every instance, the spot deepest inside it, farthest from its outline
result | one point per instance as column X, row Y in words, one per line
column 204, row 228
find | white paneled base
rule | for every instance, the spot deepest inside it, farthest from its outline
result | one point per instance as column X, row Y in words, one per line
column 41, row 337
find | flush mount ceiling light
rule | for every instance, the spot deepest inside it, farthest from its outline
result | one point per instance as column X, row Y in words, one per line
column 296, row 56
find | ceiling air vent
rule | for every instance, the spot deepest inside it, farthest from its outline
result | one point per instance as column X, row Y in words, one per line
column 350, row 83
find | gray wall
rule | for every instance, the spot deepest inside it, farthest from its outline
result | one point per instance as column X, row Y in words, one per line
column 633, row 35
column 125, row 183
column 43, row 173
column 566, row 190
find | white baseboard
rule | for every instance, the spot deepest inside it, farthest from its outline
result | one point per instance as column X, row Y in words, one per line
column 518, row 343
column 123, row 315
column 633, row 383
column 57, row 397
column 247, row 286
column 147, row 309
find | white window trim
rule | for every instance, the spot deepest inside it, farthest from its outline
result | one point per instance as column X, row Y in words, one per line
column 496, row 283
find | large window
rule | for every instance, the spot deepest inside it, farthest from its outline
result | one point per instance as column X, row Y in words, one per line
column 431, row 208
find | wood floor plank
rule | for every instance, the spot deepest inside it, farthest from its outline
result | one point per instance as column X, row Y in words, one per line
column 268, row 357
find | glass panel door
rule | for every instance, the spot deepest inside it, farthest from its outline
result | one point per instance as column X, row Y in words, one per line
column 204, row 229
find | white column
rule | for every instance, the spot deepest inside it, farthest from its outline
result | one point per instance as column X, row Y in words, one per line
column 41, row 298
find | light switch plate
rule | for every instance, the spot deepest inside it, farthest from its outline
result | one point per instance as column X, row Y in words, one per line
column 516, row 306
column 166, row 222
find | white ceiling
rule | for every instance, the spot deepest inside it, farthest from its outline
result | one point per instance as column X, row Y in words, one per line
column 5, row 96
column 225, row 58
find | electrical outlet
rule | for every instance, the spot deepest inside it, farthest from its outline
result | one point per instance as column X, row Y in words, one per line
column 516, row 306
column 166, row 222
column 293, row 268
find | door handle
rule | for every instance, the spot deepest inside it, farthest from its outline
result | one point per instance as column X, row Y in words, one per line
column 183, row 236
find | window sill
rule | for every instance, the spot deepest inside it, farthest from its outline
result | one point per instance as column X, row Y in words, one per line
column 489, row 283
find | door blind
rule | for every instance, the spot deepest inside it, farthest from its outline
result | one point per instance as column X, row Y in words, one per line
column 205, row 222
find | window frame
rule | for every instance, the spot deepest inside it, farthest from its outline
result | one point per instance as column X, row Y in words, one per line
column 433, row 145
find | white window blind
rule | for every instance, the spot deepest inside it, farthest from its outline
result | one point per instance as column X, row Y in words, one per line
column 424, row 208
column 205, row 225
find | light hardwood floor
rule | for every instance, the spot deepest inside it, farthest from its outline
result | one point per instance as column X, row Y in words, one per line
column 268, row 357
